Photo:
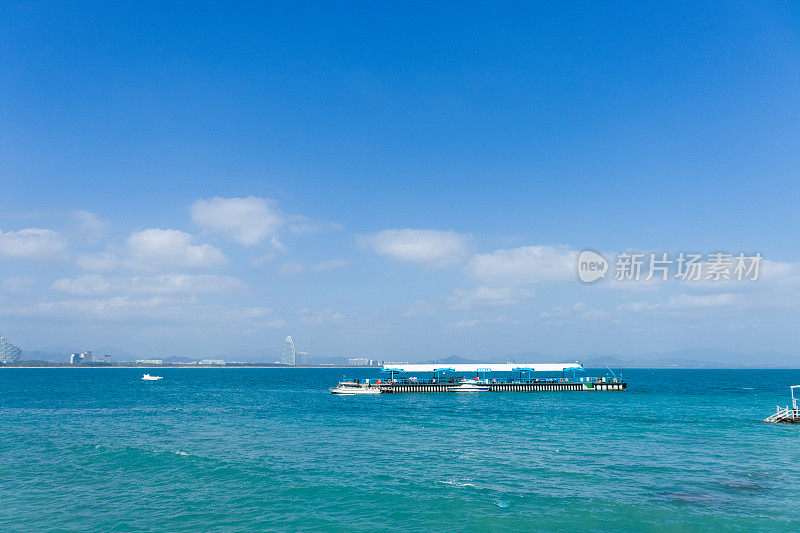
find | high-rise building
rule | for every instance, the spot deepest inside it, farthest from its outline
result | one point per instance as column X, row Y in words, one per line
column 288, row 355
column 9, row 353
column 301, row 359
column 88, row 357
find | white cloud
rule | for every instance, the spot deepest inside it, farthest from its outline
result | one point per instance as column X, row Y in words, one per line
column 505, row 275
column 774, row 274
column 153, row 248
column 553, row 313
column 99, row 262
column 254, row 318
column 771, row 275
column 559, row 311
column 263, row 259
column 277, row 245
column 174, row 314
column 154, row 285
column 640, row 285
column 331, row 263
column 682, row 302
column 248, row 221
column 636, row 307
column 502, row 319
column 322, row 318
column 486, row 297
column 116, row 307
column 83, row 285
column 290, row 269
column 303, row 225
column 525, row 265
column 421, row 308
column 32, row 243
column 90, row 225
column 17, row 284
column 429, row 247
column 596, row 314
column 576, row 310
column 266, row 257
column 689, row 301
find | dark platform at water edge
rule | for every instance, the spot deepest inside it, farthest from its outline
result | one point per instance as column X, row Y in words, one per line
column 273, row 450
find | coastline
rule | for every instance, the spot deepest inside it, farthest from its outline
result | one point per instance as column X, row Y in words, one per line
column 185, row 366
column 254, row 366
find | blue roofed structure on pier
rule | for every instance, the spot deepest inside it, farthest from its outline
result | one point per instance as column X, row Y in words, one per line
column 483, row 367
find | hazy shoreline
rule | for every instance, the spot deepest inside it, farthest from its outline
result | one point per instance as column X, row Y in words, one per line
column 183, row 367
column 233, row 367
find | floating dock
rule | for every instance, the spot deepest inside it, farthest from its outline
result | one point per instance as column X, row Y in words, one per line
column 514, row 377
column 786, row 415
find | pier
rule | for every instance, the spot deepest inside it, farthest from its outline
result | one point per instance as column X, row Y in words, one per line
column 786, row 415
column 509, row 386
column 480, row 378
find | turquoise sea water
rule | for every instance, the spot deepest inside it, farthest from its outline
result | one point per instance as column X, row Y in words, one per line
column 273, row 450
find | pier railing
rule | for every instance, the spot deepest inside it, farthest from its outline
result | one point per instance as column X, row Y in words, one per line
column 784, row 414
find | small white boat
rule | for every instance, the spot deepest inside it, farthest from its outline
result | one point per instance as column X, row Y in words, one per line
column 351, row 387
column 469, row 386
column 148, row 377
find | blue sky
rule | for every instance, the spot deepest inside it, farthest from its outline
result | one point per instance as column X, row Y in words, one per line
column 201, row 179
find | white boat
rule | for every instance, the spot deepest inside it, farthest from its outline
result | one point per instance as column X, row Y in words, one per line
column 148, row 377
column 351, row 387
column 469, row 386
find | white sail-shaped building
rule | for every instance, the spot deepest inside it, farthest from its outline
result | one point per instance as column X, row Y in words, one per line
column 9, row 353
column 288, row 355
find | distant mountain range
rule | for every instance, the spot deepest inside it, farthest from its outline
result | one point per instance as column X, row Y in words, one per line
column 525, row 357
column 688, row 358
column 698, row 358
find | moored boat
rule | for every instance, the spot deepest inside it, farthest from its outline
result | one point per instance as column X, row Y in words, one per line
column 470, row 386
column 352, row 387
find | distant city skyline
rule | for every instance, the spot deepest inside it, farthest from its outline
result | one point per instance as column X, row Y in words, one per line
column 371, row 185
